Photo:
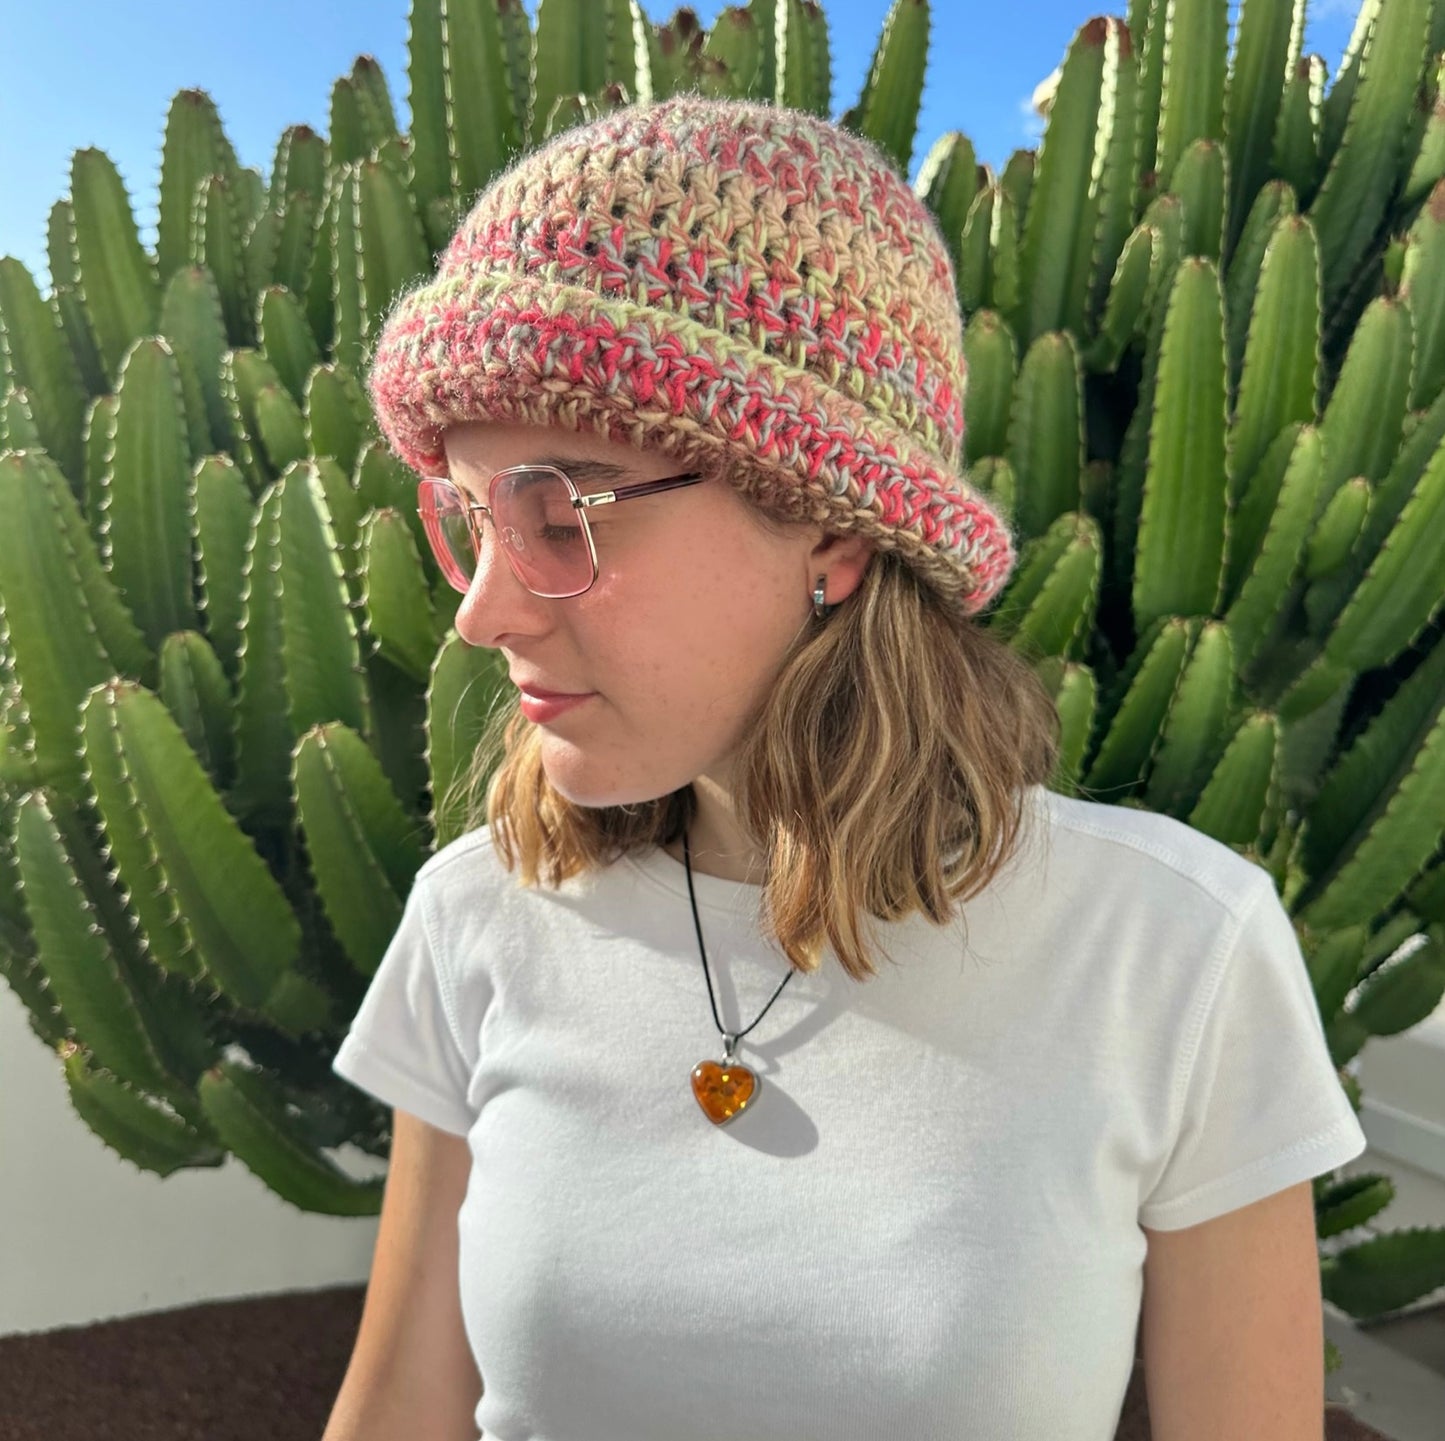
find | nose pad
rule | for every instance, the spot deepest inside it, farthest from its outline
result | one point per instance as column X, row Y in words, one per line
column 487, row 550
column 496, row 602
column 487, row 557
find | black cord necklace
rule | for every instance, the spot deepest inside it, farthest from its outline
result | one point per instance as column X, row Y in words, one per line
column 725, row 1089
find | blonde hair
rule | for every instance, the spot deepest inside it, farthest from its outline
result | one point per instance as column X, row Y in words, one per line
column 882, row 774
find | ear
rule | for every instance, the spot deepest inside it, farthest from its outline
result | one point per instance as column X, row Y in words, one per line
column 843, row 559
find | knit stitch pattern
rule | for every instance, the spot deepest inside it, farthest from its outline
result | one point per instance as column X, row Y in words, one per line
column 746, row 287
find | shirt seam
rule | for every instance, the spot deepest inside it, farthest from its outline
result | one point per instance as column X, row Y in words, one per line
column 444, row 981
column 383, row 1059
column 1227, row 947
column 730, row 908
column 1314, row 1142
column 1168, row 858
column 726, row 908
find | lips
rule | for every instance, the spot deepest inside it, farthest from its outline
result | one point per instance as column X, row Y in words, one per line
column 528, row 689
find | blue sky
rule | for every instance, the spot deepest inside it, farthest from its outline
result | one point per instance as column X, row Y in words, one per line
column 76, row 73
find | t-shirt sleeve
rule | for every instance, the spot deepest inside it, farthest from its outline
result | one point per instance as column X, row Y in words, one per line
column 403, row 1045
column 1262, row 1106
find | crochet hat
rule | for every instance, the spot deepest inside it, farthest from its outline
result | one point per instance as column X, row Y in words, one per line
column 744, row 286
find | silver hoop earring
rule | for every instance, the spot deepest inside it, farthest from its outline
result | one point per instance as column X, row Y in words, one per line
column 819, row 609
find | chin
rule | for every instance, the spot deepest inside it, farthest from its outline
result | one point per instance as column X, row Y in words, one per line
column 593, row 787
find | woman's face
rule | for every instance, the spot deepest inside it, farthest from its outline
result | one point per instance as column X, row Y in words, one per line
column 693, row 608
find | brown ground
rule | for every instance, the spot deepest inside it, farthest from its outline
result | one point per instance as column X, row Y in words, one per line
column 267, row 1366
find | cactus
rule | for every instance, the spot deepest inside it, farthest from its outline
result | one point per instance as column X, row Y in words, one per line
column 1206, row 354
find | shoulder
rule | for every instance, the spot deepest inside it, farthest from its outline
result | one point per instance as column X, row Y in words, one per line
column 1147, row 854
column 465, row 855
column 467, row 887
column 469, row 870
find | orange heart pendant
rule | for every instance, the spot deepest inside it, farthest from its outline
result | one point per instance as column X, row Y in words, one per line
column 723, row 1091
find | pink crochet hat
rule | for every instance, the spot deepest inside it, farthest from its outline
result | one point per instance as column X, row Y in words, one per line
column 746, row 287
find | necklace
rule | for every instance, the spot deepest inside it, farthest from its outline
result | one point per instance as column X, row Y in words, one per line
column 723, row 1089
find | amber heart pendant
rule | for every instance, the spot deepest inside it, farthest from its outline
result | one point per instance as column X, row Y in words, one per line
column 723, row 1091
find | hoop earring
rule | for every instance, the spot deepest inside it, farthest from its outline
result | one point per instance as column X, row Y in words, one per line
column 819, row 609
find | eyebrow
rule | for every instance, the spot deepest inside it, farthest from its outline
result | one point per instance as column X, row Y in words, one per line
column 581, row 471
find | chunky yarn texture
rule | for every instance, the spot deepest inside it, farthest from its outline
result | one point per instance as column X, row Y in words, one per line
column 744, row 286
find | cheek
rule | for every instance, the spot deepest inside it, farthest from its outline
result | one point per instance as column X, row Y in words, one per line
column 692, row 626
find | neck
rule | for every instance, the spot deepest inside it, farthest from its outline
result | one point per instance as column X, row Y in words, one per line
column 717, row 844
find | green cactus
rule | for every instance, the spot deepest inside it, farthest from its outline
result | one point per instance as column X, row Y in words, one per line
column 1206, row 349
column 887, row 110
column 733, row 47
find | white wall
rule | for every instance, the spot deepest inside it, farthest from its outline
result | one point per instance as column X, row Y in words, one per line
column 86, row 1236
column 1402, row 1112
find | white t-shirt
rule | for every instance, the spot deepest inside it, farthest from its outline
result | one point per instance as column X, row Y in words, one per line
column 927, row 1223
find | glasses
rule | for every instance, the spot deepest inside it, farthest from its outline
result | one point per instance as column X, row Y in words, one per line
column 540, row 517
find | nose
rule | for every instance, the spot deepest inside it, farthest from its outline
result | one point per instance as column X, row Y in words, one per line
column 497, row 605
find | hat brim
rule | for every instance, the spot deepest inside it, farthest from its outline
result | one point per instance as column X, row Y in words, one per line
column 526, row 350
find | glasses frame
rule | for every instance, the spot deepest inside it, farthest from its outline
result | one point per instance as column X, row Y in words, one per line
column 580, row 503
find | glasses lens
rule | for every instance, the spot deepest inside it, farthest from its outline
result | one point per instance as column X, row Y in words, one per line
column 536, row 522
column 445, row 521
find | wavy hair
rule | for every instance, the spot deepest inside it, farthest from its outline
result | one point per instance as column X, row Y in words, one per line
column 883, row 773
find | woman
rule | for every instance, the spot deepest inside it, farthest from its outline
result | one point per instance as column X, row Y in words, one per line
column 701, row 363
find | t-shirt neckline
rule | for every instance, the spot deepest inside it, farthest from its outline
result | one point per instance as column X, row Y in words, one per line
column 713, row 893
